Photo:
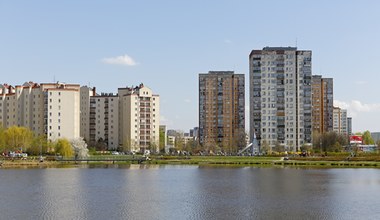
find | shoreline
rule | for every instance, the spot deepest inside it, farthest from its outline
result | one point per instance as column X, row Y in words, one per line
column 199, row 160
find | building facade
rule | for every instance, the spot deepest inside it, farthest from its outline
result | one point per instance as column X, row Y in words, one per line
column 85, row 94
column 104, row 121
column 280, row 96
column 323, row 107
column 349, row 126
column 221, row 108
column 47, row 108
column 139, row 118
column 340, row 121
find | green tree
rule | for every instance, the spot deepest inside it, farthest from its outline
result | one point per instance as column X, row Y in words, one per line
column 18, row 138
column 179, row 143
column 2, row 139
column 153, row 147
column 162, row 138
column 64, row 148
column 39, row 145
column 367, row 138
column 331, row 141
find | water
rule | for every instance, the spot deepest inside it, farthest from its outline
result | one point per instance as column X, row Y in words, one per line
column 189, row 192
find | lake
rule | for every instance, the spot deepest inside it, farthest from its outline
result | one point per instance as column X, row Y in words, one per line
column 189, row 192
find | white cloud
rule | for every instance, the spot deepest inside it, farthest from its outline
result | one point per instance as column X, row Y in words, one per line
column 361, row 82
column 227, row 41
column 341, row 104
column 120, row 60
column 364, row 115
column 355, row 107
column 360, row 107
column 187, row 100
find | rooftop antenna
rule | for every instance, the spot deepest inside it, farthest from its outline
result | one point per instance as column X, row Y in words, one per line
column 296, row 42
column 53, row 78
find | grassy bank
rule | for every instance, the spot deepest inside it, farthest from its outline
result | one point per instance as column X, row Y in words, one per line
column 326, row 161
column 269, row 161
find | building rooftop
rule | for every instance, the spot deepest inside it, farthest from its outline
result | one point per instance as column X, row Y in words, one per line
column 280, row 48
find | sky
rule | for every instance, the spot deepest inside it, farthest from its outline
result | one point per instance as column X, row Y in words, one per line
column 165, row 45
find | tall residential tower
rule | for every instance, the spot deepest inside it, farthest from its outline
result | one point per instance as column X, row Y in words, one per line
column 323, row 106
column 221, row 109
column 280, row 96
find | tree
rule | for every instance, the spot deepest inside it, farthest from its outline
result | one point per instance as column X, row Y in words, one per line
column 265, row 148
column 101, row 145
column 153, row 147
column 18, row 138
column 39, row 145
column 240, row 140
column 80, row 148
column 64, row 148
column 331, row 141
column 367, row 138
column 162, row 138
column 279, row 147
column 2, row 139
column 179, row 142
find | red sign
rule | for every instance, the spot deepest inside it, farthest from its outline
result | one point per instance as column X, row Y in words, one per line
column 356, row 139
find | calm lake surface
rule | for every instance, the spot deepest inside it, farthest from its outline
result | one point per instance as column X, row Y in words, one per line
column 189, row 192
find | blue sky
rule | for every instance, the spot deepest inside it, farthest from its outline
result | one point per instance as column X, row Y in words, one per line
column 166, row 44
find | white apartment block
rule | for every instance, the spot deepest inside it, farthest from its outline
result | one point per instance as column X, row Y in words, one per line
column 104, row 120
column 139, row 117
column 280, row 96
column 340, row 123
column 47, row 108
column 62, row 110
column 129, row 119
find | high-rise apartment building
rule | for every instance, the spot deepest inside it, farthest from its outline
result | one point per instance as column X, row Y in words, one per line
column 280, row 96
column 322, row 100
column 221, row 109
column 349, row 125
column 47, row 108
column 340, row 121
column 85, row 94
column 104, row 120
column 139, row 118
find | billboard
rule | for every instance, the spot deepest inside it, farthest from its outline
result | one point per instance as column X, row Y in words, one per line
column 356, row 139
